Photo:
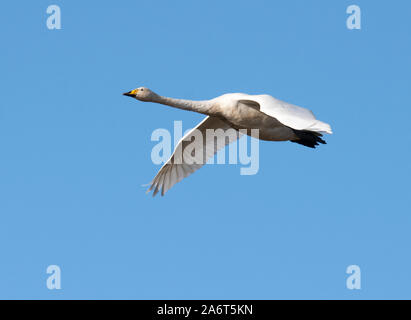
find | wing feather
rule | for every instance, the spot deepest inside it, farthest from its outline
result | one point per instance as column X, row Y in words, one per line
column 290, row 115
column 177, row 167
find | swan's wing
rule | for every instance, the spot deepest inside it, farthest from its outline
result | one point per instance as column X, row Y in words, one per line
column 183, row 162
column 290, row 115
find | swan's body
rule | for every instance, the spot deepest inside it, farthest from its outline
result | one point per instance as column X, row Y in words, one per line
column 276, row 120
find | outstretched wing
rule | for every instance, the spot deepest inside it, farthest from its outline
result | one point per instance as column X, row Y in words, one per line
column 183, row 162
column 292, row 116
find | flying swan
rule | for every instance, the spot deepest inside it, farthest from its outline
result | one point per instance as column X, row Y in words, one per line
column 276, row 120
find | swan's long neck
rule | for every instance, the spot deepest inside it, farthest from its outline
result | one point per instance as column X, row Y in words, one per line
column 204, row 107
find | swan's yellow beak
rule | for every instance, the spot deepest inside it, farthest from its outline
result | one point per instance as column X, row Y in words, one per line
column 131, row 93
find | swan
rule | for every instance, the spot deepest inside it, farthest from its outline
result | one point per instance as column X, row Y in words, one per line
column 276, row 120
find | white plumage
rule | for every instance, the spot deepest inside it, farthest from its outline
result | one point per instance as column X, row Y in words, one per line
column 276, row 120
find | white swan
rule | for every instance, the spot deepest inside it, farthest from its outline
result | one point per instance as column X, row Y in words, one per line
column 275, row 119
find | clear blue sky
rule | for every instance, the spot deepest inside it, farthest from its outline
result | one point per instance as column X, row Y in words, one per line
column 75, row 152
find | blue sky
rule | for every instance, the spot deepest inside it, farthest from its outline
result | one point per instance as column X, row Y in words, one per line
column 75, row 152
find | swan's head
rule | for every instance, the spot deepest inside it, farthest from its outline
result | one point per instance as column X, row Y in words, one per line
column 142, row 94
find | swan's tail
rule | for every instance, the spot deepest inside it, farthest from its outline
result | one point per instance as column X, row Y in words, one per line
column 308, row 138
column 320, row 127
